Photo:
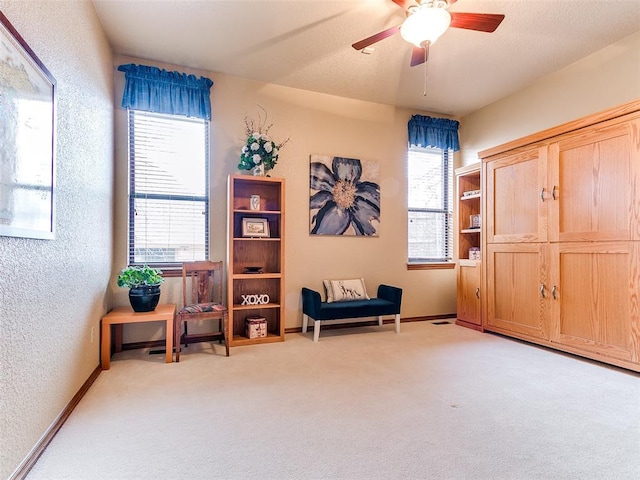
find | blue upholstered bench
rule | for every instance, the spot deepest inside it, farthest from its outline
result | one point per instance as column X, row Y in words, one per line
column 387, row 303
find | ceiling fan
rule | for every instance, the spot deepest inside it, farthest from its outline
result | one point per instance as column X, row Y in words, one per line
column 426, row 21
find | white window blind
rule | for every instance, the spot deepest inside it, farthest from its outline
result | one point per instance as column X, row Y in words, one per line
column 430, row 181
column 168, row 189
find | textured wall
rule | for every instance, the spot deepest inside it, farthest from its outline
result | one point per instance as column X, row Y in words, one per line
column 53, row 292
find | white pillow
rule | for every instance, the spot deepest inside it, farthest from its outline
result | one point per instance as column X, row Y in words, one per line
column 345, row 290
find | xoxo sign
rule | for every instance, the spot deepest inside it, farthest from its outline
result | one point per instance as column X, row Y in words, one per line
column 261, row 299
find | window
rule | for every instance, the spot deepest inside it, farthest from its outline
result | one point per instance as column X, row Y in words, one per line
column 430, row 180
column 168, row 189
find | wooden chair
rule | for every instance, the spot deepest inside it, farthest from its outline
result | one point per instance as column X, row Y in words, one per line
column 202, row 300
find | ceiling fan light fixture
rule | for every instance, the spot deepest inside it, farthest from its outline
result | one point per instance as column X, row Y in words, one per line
column 426, row 24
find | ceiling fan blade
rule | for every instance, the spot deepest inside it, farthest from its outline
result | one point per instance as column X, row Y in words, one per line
column 419, row 55
column 376, row 38
column 482, row 22
column 406, row 3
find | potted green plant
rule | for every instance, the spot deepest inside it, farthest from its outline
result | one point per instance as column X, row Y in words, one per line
column 143, row 282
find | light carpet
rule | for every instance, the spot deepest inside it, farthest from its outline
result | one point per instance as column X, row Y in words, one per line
column 434, row 402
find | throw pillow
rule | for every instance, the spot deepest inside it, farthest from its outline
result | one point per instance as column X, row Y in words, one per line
column 345, row 290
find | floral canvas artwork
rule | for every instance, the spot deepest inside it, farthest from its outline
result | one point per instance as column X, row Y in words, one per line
column 344, row 196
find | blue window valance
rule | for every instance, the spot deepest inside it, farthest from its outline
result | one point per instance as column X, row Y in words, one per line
column 154, row 90
column 434, row 132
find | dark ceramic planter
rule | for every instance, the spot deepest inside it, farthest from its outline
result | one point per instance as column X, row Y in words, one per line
column 144, row 299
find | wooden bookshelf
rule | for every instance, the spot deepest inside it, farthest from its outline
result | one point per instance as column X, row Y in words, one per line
column 265, row 252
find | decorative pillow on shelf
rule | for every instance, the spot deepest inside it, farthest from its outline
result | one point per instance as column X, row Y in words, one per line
column 345, row 290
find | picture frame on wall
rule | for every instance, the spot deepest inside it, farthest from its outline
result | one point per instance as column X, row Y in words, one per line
column 27, row 139
column 255, row 227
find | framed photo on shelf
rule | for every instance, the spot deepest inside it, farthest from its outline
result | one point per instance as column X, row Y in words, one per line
column 255, row 227
column 27, row 117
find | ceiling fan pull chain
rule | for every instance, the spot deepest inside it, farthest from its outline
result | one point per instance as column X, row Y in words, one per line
column 424, row 92
column 426, row 55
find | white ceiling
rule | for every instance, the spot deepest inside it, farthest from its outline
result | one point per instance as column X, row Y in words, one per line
column 307, row 44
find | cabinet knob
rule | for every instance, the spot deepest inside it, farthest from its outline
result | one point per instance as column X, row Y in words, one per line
column 553, row 192
column 554, row 291
column 542, row 194
column 478, row 293
column 543, row 291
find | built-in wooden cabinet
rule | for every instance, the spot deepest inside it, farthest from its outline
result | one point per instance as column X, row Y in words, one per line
column 255, row 256
column 469, row 311
column 516, row 289
column 594, row 298
column 516, row 196
column 593, row 175
column 562, row 238
column 468, row 239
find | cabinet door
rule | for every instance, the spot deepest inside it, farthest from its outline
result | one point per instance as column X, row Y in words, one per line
column 595, row 305
column 517, row 294
column 595, row 182
column 468, row 293
column 516, row 197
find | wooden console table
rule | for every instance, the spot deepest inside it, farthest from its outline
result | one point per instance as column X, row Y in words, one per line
column 121, row 315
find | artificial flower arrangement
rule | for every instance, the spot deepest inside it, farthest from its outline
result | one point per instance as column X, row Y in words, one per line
column 260, row 150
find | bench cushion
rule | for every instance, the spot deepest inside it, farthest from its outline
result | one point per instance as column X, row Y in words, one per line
column 355, row 309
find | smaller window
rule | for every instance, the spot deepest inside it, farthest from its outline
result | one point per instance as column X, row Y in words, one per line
column 430, row 222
